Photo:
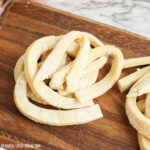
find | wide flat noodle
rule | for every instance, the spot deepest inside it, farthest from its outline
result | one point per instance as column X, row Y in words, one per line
column 126, row 82
column 109, row 80
column 132, row 62
column 51, row 117
column 74, row 74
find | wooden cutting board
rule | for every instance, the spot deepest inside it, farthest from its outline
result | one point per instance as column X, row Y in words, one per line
column 21, row 24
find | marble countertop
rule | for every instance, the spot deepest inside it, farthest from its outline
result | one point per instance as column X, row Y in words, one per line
column 131, row 15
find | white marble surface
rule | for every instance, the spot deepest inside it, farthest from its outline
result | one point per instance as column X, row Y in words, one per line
column 131, row 15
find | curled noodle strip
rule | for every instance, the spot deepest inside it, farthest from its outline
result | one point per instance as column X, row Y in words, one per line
column 62, row 71
column 140, row 121
column 49, row 116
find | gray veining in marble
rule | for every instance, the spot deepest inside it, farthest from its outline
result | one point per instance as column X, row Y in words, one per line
column 131, row 15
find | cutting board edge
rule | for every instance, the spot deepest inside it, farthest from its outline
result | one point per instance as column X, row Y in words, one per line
column 74, row 15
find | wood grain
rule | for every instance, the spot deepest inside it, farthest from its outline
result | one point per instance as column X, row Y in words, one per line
column 21, row 24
